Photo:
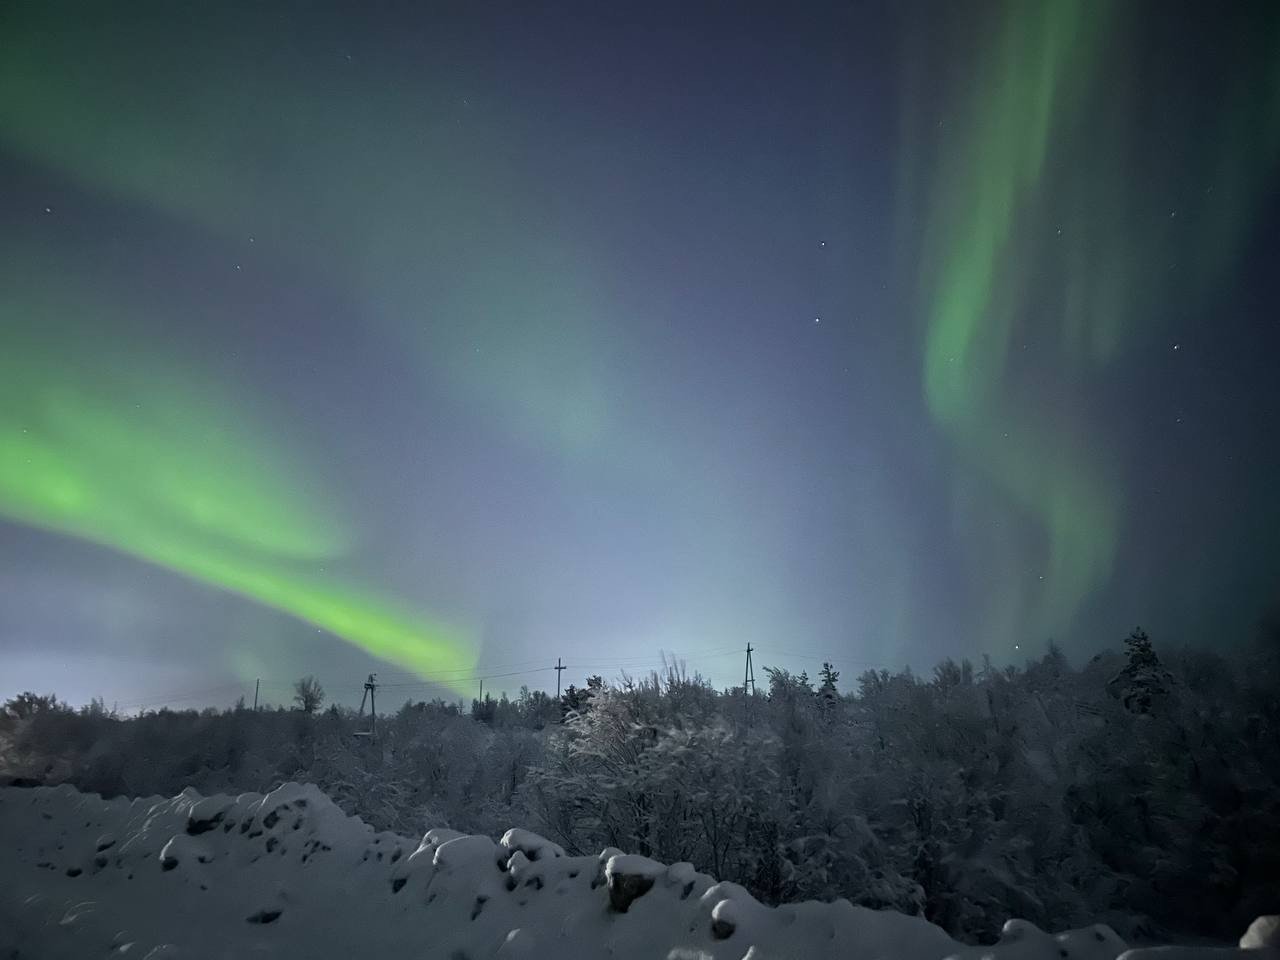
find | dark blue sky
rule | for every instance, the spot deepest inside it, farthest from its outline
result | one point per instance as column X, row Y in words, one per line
column 476, row 337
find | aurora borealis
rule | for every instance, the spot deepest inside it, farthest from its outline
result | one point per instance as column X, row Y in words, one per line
column 160, row 470
column 1038, row 225
column 447, row 342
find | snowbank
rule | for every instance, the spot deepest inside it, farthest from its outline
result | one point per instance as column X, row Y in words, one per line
column 289, row 875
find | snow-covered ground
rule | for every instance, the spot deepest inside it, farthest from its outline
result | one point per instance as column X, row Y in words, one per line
column 289, row 875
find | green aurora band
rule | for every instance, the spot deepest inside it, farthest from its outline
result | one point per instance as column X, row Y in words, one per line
column 166, row 473
column 376, row 182
column 1033, row 214
column 1041, row 226
column 363, row 169
column 78, row 93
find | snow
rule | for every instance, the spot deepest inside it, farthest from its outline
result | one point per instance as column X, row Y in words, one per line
column 1263, row 932
column 289, row 875
column 630, row 864
column 530, row 844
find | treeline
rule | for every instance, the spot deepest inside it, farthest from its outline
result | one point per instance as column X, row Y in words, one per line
column 1140, row 789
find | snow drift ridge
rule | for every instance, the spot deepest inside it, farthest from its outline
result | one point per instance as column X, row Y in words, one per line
column 287, row 874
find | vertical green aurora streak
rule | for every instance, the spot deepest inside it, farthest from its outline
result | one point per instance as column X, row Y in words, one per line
column 1046, row 225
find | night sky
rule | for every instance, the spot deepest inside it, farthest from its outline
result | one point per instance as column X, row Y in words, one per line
column 445, row 341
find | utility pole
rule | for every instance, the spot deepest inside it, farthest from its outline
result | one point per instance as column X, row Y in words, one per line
column 748, row 687
column 482, row 690
column 370, row 689
column 559, row 667
column 256, row 684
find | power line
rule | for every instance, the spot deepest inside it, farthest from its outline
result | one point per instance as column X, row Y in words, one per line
column 636, row 663
column 458, row 676
column 825, row 659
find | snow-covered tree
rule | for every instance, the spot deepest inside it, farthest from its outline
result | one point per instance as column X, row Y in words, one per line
column 308, row 694
column 1143, row 683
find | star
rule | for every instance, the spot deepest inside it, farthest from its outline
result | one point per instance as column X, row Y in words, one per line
column 1177, row 346
column 817, row 319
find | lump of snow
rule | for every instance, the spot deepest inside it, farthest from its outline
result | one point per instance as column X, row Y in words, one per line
column 464, row 852
column 1023, row 940
column 516, row 864
column 681, row 872
column 1263, row 932
column 724, row 920
column 206, row 814
column 630, row 877
column 432, row 840
column 438, row 835
column 530, row 844
column 633, row 865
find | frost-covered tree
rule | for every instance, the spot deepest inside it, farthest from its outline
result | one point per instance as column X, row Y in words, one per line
column 308, row 694
column 27, row 704
column 828, row 692
column 1143, row 683
column 969, row 796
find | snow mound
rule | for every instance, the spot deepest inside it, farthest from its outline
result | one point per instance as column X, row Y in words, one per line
column 289, row 875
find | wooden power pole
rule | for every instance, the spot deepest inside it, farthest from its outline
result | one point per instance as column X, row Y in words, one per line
column 560, row 667
column 370, row 690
